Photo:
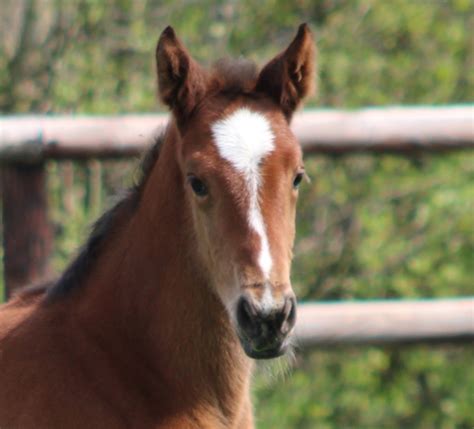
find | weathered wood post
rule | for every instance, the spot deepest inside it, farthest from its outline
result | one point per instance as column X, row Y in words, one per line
column 27, row 232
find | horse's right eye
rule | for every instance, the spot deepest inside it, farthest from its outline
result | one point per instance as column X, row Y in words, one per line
column 198, row 186
column 297, row 180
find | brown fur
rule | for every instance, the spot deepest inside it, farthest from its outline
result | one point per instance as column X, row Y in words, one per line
column 135, row 333
column 290, row 76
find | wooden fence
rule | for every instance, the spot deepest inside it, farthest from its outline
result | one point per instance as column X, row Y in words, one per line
column 400, row 322
column 27, row 142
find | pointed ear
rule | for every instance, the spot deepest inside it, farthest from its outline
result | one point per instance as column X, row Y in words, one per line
column 181, row 81
column 290, row 76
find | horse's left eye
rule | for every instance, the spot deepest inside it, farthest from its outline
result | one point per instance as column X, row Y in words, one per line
column 198, row 186
column 297, row 180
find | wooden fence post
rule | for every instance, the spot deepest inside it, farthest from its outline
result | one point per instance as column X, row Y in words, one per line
column 27, row 232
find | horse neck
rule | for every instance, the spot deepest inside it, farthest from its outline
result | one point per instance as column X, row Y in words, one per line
column 151, row 289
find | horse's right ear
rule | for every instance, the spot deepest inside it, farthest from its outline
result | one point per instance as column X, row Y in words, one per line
column 181, row 81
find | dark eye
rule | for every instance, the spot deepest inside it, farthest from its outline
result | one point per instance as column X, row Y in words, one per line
column 198, row 186
column 297, row 180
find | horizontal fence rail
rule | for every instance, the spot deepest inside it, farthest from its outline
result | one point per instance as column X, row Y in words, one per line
column 383, row 130
column 385, row 322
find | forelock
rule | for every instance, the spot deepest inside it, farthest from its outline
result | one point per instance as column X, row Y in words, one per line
column 234, row 75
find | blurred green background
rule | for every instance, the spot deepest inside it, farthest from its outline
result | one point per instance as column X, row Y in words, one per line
column 368, row 226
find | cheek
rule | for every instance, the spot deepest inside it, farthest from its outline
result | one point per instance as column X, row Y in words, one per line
column 291, row 224
column 214, row 246
column 282, row 233
column 209, row 235
column 292, row 219
column 201, row 231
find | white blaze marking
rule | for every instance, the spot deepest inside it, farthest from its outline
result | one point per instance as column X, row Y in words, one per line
column 267, row 303
column 244, row 138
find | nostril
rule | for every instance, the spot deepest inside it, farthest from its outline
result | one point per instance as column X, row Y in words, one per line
column 292, row 315
column 289, row 315
column 246, row 316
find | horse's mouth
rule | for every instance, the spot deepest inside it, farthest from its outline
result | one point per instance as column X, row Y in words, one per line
column 258, row 351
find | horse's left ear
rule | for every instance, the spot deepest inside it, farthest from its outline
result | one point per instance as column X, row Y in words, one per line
column 290, row 76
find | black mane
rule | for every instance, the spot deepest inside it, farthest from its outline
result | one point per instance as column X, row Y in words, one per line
column 72, row 278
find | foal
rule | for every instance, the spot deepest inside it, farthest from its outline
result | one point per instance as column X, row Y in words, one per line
column 153, row 324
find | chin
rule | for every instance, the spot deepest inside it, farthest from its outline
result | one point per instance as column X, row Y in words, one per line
column 264, row 353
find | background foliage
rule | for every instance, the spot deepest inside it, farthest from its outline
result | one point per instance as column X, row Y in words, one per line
column 369, row 227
